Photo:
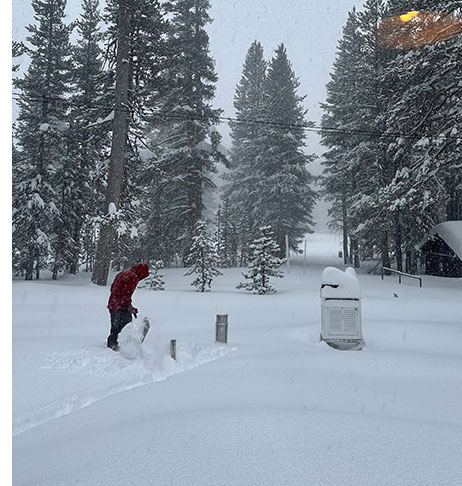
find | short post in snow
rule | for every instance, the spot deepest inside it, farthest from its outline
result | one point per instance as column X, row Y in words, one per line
column 287, row 254
column 173, row 349
column 304, row 259
column 221, row 328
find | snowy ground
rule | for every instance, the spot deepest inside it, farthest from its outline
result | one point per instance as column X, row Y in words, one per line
column 273, row 407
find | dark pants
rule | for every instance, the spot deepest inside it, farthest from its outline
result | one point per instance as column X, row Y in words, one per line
column 119, row 319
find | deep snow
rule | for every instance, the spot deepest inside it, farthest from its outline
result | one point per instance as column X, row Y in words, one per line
column 273, row 407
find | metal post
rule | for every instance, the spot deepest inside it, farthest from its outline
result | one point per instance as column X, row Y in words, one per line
column 221, row 328
column 304, row 259
column 287, row 254
column 173, row 348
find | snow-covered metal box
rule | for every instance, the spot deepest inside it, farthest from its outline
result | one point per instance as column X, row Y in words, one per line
column 341, row 325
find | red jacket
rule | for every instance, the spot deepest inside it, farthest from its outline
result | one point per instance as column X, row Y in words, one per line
column 124, row 285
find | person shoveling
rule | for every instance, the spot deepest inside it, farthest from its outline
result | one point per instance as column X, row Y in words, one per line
column 120, row 302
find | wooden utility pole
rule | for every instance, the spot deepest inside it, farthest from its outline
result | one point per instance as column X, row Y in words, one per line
column 115, row 181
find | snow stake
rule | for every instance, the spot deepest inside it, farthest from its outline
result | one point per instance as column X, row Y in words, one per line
column 173, row 349
column 221, row 328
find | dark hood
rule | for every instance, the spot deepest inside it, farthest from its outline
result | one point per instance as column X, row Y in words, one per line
column 141, row 270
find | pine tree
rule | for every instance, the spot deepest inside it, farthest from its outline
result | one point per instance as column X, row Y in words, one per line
column 282, row 196
column 341, row 177
column 135, row 36
column 425, row 108
column 264, row 264
column 42, row 204
column 90, row 127
column 154, row 280
column 188, row 138
column 371, row 223
column 357, row 164
column 248, row 102
column 405, row 168
column 202, row 258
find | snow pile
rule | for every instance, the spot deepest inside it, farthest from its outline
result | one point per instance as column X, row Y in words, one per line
column 337, row 284
column 152, row 363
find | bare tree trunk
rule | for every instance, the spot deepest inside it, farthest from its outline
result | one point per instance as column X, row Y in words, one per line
column 119, row 144
column 398, row 242
column 345, row 230
column 29, row 269
column 355, row 251
column 385, row 251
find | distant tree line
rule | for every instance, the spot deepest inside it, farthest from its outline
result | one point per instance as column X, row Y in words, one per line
column 142, row 68
column 393, row 136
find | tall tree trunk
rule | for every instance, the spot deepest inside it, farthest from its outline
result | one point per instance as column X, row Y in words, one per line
column 345, row 230
column 355, row 252
column 119, row 144
column 29, row 268
column 385, row 251
column 74, row 266
column 37, row 267
column 398, row 242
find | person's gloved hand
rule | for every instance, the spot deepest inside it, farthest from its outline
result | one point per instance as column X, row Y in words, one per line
column 134, row 311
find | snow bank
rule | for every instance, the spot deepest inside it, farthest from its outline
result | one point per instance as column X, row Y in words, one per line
column 154, row 364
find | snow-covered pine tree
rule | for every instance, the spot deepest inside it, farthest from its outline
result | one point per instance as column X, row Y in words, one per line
column 264, row 263
column 406, row 170
column 424, row 108
column 17, row 50
column 43, row 213
column 408, row 210
column 91, row 107
column 372, row 225
column 134, row 38
column 356, row 164
column 445, row 147
column 248, row 103
column 135, row 242
column 188, row 137
column 341, row 176
column 202, row 258
column 282, row 195
column 154, row 280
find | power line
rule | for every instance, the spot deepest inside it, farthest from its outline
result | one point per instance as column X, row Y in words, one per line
column 311, row 127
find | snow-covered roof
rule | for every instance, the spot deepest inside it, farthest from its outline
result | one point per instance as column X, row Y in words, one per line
column 451, row 233
column 340, row 285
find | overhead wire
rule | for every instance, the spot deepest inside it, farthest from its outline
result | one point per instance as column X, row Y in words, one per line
column 309, row 126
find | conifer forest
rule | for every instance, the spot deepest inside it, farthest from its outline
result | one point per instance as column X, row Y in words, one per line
column 118, row 157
